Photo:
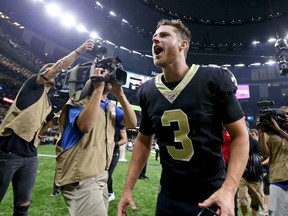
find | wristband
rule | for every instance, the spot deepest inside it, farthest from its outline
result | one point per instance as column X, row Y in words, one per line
column 44, row 77
column 116, row 144
column 78, row 53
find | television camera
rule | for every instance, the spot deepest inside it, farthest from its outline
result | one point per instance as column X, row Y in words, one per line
column 266, row 113
column 282, row 55
column 78, row 78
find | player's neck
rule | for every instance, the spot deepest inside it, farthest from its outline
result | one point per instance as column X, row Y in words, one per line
column 173, row 74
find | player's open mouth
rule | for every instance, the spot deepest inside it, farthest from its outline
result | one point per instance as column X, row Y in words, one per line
column 157, row 50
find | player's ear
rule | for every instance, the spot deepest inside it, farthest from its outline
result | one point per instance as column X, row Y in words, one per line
column 183, row 44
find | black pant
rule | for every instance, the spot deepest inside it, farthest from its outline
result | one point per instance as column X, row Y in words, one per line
column 22, row 172
column 115, row 158
column 156, row 154
column 55, row 187
column 169, row 205
column 143, row 172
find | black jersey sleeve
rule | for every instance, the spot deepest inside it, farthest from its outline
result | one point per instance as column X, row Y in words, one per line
column 146, row 126
column 228, row 82
column 229, row 104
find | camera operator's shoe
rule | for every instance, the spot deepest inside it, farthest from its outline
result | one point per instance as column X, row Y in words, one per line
column 144, row 177
column 54, row 194
column 263, row 213
column 111, row 197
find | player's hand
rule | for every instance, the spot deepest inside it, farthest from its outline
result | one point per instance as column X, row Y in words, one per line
column 126, row 199
column 224, row 198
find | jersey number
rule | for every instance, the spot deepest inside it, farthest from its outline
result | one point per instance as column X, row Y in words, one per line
column 181, row 135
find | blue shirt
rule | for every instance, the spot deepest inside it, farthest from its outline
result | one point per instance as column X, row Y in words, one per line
column 72, row 134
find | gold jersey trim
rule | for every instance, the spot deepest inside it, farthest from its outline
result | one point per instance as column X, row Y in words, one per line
column 169, row 94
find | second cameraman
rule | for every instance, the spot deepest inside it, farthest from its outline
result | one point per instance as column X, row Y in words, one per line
column 274, row 144
column 85, row 150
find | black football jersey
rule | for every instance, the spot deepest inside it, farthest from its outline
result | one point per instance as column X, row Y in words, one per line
column 187, row 122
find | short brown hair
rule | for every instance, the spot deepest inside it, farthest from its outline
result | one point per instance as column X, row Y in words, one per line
column 178, row 24
column 254, row 131
column 182, row 30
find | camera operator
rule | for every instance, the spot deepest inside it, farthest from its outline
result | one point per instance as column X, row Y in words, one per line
column 20, row 128
column 251, row 194
column 274, row 144
column 84, row 152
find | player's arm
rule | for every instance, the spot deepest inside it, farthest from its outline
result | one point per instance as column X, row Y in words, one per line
column 141, row 151
column 234, row 122
column 238, row 154
column 238, row 157
column 140, row 154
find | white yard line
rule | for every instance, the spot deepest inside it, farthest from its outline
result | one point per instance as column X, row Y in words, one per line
column 46, row 155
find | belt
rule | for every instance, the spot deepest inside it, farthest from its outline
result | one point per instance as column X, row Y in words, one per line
column 69, row 187
column 6, row 152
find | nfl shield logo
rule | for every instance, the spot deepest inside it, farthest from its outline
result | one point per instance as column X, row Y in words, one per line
column 171, row 96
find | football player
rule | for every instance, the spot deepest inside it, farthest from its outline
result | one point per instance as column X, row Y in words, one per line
column 184, row 108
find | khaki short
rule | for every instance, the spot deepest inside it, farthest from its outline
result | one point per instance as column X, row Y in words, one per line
column 250, row 192
column 87, row 197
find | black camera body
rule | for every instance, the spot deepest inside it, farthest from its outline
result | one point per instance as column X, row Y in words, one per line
column 116, row 75
column 282, row 55
column 75, row 79
column 266, row 113
column 98, row 50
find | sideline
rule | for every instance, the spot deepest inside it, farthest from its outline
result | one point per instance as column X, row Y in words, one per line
column 54, row 156
column 46, row 155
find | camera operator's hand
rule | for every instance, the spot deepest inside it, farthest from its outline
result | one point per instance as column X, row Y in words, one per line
column 86, row 46
column 99, row 72
column 261, row 127
column 275, row 125
column 117, row 90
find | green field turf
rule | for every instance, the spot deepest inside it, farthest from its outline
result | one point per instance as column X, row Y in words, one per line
column 44, row 205
column 145, row 192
